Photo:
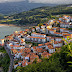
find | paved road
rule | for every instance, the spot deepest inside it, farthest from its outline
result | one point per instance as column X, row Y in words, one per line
column 11, row 58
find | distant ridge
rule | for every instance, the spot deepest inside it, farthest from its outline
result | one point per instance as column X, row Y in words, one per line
column 17, row 7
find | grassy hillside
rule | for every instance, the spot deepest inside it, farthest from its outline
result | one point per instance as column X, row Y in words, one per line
column 38, row 15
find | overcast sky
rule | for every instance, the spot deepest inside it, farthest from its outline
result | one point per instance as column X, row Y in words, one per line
column 43, row 1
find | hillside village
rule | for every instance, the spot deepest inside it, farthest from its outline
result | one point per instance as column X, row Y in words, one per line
column 39, row 41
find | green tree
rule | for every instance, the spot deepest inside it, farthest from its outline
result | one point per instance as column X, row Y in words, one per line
column 69, row 47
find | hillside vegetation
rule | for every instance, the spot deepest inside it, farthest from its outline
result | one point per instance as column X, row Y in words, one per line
column 4, row 60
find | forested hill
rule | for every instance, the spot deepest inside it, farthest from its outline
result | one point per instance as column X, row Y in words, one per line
column 45, row 11
column 39, row 15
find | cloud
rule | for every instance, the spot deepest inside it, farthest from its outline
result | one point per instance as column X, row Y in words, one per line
column 43, row 1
